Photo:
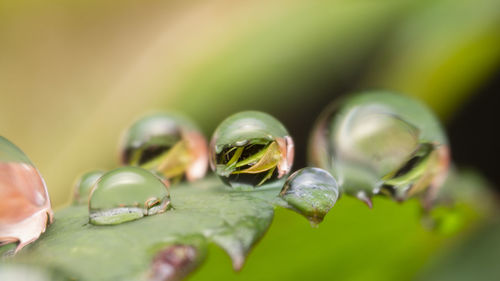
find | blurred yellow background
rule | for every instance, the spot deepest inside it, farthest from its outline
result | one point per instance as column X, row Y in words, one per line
column 73, row 74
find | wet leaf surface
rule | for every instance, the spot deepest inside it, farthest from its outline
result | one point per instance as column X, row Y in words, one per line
column 207, row 210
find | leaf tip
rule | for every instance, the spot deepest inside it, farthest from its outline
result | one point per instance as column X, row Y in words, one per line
column 238, row 262
column 365, row 199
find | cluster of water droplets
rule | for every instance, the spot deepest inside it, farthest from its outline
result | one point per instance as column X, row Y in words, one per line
column 157, row 151
column 250, row 150
column 368, row 144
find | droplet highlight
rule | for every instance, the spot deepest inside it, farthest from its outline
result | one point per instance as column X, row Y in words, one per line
column 84, row 185
column 381, row 143
column 168, row 144
column 311, row 192
column 251, row 148
column 25, row 211
column 125, row 194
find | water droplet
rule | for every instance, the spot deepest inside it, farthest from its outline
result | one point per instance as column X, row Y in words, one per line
column 174, row 262
column 126, row 194
column 381, row 143
column 311, row 192
column 251, row 148
column 25, row 210
column 84, row 185
column 168, row 144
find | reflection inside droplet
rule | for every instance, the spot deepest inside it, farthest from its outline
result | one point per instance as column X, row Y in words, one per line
column 251, row 148
column 168, row 144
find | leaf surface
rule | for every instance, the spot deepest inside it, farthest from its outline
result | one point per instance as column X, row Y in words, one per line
column 205, row 211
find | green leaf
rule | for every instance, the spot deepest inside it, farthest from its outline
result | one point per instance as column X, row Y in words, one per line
column 475, row 259
column 204, row 211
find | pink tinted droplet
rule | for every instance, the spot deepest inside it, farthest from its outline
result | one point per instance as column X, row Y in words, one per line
column 25, row 209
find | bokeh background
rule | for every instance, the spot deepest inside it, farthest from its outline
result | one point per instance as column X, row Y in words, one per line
column 74, row 74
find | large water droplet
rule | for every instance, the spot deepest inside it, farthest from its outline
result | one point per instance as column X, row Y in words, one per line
column 126, row 194
column 166, row 143
column 311, row 192
column 251, row 148
column 84, row 185
column 25, row 208
column 378, row 142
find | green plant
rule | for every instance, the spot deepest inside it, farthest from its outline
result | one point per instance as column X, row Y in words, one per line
column 154, row 243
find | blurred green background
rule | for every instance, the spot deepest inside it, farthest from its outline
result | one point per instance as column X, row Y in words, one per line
column 74, row 74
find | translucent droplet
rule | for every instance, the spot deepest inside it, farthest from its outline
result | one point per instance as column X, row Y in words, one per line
column 381, row 143
column 168, row 144
column 251, row 148
column 84, row 185
column 126, row 194
column 311, row 192
column 25, row 209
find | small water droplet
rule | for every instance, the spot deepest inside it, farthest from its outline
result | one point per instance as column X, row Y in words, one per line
column 381, row 143
column 251, row 148
column 84, row 185
column 311, row 192
column 25, row 210
column 168, row 144
column 365, row 198
column 126, row 194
